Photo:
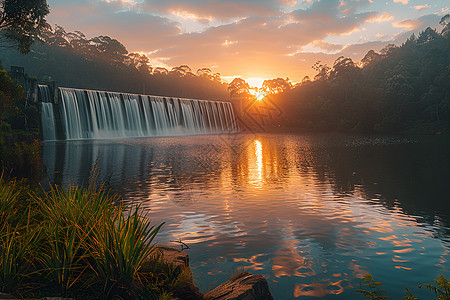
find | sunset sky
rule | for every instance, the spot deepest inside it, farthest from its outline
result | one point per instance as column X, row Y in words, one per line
column 249, row 38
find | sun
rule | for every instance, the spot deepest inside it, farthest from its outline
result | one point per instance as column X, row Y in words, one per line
column 255, row 81
column 260, row 96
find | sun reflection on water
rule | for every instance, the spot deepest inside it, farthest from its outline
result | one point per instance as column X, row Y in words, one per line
column 272, row 206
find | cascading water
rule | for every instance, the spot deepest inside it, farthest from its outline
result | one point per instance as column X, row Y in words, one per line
column 88, row 114
column 47, row 114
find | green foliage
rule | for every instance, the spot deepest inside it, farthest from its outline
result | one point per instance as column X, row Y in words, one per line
column 8, row 202
column 441, row 288
column 163, row 277
column 103, row 63
column 409, row 295
column 63, row 260
column 119, row 247
column 21, row 159
column 371, row 289
column 17, row 245
column 76, row 242
column 19, row 151
column 22, row 20
column 239, row 88
column 10, row 94
column 400, row 89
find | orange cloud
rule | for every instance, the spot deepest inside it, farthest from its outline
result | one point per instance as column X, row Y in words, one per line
column 257, row 38
column 422, row 7
column 408, row 24
column 381, row 17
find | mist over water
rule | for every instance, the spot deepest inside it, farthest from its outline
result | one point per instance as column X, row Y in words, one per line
column 311, row 213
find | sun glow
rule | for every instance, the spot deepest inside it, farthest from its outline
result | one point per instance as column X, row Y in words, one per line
column 255, row 82
column 260, row 96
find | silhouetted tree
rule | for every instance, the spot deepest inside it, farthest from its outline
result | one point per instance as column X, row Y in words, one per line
column 276, row 86
column 21, row 21
column 10, row 94
column 239, row 88
column 323, row 71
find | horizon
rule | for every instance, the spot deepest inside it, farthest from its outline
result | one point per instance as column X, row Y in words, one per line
column 253, row 40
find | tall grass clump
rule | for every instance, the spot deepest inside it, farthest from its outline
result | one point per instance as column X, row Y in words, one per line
column 8, row 202
column 119, row 249
column 18, row 237
column 74, row 242
column 92, row 242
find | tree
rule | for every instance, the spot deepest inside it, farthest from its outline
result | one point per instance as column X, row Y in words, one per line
column 239, row 88
column 427, row 36
column 181, row 71
column 445, row 22
column 369, row 58
column 10, row 94
column 204, row 73
column 322, row 69
column 160, row 71
column 109, row 48
column 388, row 49
column 140, row 62
column 306, row 80
column 21, row 21
column 276, row 86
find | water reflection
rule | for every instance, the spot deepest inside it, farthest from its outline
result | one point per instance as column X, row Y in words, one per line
column 312, row 214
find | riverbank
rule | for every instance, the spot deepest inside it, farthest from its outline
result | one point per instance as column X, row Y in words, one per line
column 83, row 243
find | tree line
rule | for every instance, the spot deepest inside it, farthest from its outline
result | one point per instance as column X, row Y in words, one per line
column 400, row 89
column 104, row 63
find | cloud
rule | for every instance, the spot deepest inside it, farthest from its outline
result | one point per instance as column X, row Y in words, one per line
column 408, row 24
column 422, row 7
column 421, row 23
column 328, row 47
column 381, row 17
column 138, row 31
column 253, row 38
column 216, row 9
column 330, row 17
column 402, row 1
column 415, row 26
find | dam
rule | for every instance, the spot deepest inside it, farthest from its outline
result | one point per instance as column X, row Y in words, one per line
column 73, row 114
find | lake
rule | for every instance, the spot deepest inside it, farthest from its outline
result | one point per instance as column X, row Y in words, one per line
column 312, row 214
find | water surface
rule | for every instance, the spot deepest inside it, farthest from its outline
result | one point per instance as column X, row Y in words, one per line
column 310, row 213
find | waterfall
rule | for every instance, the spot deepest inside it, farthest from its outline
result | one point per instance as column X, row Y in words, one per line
column 89, row 114
column 47, row 114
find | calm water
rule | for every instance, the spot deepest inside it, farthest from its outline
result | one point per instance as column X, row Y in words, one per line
column 310, row 213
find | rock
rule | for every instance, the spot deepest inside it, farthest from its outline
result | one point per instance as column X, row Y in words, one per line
column 173, row 255
column 186, row 288
column 243, row 286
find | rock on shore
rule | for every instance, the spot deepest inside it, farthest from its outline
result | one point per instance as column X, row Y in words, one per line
column 243, row 286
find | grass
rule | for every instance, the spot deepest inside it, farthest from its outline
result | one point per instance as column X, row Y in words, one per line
column 371, row 289
column 78, row 242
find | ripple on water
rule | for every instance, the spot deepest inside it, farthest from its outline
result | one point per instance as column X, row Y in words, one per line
column 311, row 213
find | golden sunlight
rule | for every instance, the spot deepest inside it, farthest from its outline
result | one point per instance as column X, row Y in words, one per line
column 260, row 96
column 255, row 81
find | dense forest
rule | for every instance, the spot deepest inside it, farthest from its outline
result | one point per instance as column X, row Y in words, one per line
column 401, row 89
column 103, row 63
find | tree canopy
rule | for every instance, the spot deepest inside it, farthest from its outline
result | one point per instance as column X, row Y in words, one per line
column 239, row 88
column 21, row 21
column 401, row 88
column 104, row 63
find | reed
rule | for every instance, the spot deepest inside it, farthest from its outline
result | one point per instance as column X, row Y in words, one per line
column 74, row 241
column 119, row 248
column 18, row 244
column 9, row 195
